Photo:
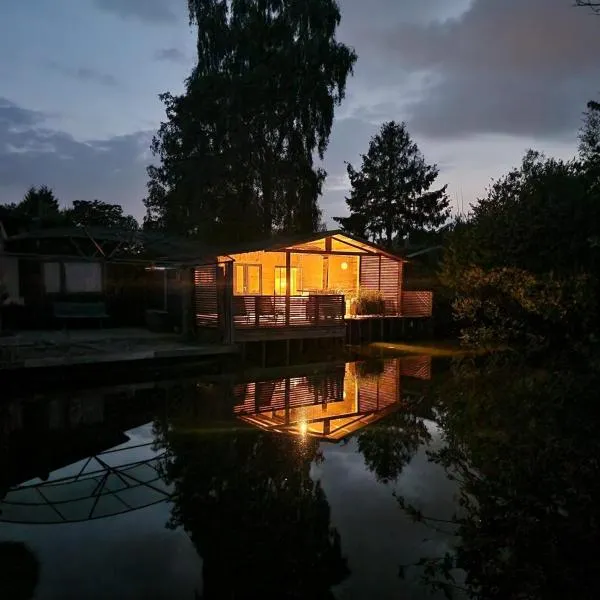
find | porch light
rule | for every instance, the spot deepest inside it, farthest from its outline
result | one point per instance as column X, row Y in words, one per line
column 344, row 266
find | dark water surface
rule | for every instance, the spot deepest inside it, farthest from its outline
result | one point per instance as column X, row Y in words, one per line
column 387, row 479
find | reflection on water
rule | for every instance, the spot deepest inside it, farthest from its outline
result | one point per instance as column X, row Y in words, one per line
column 236, row 464
column 479, row 480
column 331, row 407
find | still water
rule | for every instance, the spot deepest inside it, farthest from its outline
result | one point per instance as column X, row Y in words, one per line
column 386, row 479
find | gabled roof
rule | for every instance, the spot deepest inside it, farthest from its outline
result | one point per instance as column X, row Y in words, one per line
column 290, row 242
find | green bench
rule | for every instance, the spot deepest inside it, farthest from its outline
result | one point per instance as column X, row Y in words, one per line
column 79, row 310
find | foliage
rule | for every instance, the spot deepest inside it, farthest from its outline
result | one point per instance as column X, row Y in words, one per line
column 589, row 138
column 522, row 446
column 40, row 208
column 390, row 196
column 95, row 213
column 369, row 302
column 236, row 151
column 524, row 265
column 248, row 503
column 390, row 445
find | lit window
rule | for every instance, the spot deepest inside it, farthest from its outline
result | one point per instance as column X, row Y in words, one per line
column 281, row 283
column 247, row 280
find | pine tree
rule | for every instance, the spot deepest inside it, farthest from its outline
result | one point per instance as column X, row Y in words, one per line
column 390, row 195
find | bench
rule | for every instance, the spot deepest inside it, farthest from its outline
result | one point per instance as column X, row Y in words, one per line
column 79, row 310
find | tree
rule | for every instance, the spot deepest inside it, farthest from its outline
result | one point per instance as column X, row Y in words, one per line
column 246, row 499
column 39, row 205
column 95, row 213
column 589, row 135
column 390, row 195
column 236, row 151
column 520, row 445
column 524, row 266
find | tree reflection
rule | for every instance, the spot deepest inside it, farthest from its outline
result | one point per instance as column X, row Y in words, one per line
column 524, row 449
column 389, row 446
column 249, row 505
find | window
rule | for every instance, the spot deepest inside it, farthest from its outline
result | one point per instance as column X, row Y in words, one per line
column 247, row 280
column 52, row 277
column 281, row 284
column 83, row 277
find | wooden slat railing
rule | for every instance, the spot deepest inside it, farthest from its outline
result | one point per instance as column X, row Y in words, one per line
column 253, row 312
column 417, row 304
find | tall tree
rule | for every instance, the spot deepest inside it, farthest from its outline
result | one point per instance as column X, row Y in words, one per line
column 95, row 213
column 237, row 148
column 390, row 195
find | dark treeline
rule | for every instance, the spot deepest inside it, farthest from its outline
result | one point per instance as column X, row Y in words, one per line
column 523, row 265
column 40, row 208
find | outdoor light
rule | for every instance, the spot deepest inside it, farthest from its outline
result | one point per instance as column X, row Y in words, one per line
column 344, row 266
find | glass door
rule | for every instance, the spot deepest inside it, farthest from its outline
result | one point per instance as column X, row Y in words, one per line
column 281, row 283
column 247, row 280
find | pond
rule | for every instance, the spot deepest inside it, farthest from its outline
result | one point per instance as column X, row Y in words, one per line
column 396, row 478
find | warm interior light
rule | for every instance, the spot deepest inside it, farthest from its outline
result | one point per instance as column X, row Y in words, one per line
column 344, row 266
column 303, row 427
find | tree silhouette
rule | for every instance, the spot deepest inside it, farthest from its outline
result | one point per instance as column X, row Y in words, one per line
column 522, row 446
column 390, row 445
column 95, row 213
column 390, row 196
column 247, row 501
column 236, row 151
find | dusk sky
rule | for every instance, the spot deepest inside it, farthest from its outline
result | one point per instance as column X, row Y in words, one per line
column 478, row 82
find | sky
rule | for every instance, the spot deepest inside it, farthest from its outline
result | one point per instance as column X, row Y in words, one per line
column 478, row 82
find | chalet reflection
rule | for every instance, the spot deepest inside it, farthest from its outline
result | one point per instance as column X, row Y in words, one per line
column 331, row 406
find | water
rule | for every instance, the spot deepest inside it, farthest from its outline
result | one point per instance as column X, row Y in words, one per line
column 384, row 479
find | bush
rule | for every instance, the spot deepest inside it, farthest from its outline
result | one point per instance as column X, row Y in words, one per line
column 370, row 302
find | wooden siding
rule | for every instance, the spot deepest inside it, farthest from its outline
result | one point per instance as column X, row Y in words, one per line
column 205, row 295
column 417, row 304
column 383, row 274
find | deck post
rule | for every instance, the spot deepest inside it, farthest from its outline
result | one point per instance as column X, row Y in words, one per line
column 228, row 324
column 187, row 291
column 288, row 281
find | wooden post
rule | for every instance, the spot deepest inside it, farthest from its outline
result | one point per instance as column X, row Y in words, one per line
column 288, row 281
column 187, row 293
column 227, row 304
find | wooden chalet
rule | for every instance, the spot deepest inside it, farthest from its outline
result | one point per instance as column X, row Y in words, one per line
column 303, row 287
column 329, row 407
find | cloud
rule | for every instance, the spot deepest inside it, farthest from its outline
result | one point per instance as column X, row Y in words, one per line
column 112, row 170
column 173, row 55
column 512, row 67
column 85, row 74
column 149, row 11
